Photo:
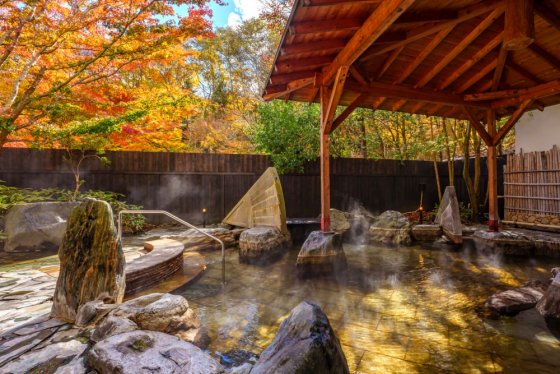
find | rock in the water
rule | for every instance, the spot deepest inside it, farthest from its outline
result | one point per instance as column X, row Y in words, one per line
column 162, row 312
column 549, row 304
column 304, row 343
column 321, row 253
column 426, row 233
column 36, row 226
column 505, row 242
column 150, row 352
column 391, row 227
column 511, row 302
column 113, row 326
column 262, row 243
column 339, row 221
column 449, row 216
column 91, row 261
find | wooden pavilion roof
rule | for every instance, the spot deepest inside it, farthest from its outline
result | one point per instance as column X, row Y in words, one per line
column 429, row 57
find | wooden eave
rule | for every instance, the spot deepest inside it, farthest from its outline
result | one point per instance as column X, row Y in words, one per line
column 464, row 34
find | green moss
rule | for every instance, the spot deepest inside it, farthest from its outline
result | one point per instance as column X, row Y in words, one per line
column 140, row 345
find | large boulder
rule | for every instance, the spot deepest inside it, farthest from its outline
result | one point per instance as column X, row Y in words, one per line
column 304, row 343
column 511, row 302
column 321, row 253
column 91, row 261
column 36, row 226
column 165, row 313
column 339, row 221
column 391, row 227
column 262, row 243
column 150, row 352
column 449, row 216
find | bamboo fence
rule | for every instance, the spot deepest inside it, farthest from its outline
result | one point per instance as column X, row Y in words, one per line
column 532, row 188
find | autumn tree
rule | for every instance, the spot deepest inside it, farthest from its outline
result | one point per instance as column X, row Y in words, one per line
column 65, row 56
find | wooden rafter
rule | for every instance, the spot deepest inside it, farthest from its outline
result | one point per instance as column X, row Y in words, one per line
column 547, row 14
column 377, row 23
column 511, row 122
column 349, row 109
column 388, row 62
column 291, row 87
column 422, row 32
column 524, row 73
column 317, row 46
column 310, row 3
column 479, row 127
column 278, row 79
column 478, row 76
column 334, row 98
column 293, row 65
column 358, row 76
column 544, row 55
column 479, row 55
column 460, row 47
column 498, row 72
column 312, row 27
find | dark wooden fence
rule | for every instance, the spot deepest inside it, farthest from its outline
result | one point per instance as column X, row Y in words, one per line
column 185, row 183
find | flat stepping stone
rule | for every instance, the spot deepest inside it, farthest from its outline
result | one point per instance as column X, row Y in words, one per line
column 164, row 260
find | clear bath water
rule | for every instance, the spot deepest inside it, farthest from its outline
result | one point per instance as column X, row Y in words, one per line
column 409, row 309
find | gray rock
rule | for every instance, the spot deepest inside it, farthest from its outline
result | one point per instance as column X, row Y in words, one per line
column 505, row 242
column 549, row 305
column 111, row 326
column 150, row 352
column 391, row 227
column 304, row 343
column 511, row 302
column 92, row 312
column 262, row 243
column 36, row 226
column 321, row 253
column 243, row 369
column 339, row 221
column 449, row 216
column 162, row 312
column 426, row 233
column 76, row 366
column 91, row 261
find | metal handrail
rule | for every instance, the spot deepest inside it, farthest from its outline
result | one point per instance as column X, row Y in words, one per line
column 175, row 218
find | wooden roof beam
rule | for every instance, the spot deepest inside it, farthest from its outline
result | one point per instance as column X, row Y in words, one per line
column 396, row 91
column 296, row 64
column 479, row 55
column 278, row 79
column 524, row 73
column 499, row 71
column 511, row 122
column 513, row 96
column 426, row 16
column 547, row 14
column 309, row 3
column 377, row 23
column 421, row 32
column 460, row 47
column 388, row 62
column 312, row 27
column 334, row 98
column 359, row 100
column 477, row 76
column 316, row 46
column 291, row 87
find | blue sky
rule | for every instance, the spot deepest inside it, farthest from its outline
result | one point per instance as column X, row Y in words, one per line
column 231, row 14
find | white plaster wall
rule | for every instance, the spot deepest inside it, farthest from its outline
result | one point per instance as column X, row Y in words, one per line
column 538, row 131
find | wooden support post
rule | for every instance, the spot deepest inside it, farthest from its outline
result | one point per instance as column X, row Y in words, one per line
column 325, row 166
column 519, row 25
column 493, row 216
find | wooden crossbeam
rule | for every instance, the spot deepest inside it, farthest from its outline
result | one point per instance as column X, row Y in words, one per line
column 377, row 23
column 310, row 3
column 479, row 55
column 293, row 65
column 426, row 16
column 397, row 91
column 460, row 47
column 277, row 79
column 312, row 27
column 511, row 122
column 478, row 76
column 388, row 62
column 291, row 87
column 358, row 76
column 499, row 71
column 359, row 100
column 479, row 127
column 422, row 32
column 316, row 46
column 514, row 96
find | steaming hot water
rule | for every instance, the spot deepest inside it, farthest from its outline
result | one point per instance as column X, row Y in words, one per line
column 395, row 309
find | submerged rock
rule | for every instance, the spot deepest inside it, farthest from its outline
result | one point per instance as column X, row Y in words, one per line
column 391, row 227
column 511, row 302
column 163, row 312
column 262, row 243
column 36, row 226
column 321, row 253
column 549, row 304
column 150, row 352
column 91, row 261
column 304, row 343
column 449, row 216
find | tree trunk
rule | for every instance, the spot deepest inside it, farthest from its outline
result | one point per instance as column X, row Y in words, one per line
column 473, row 198
column 363, row 142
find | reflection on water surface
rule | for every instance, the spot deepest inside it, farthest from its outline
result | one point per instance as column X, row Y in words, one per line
column 407, row 309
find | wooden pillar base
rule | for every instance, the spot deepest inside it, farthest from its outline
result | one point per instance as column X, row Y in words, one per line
column 493, row 225
column 325, row 223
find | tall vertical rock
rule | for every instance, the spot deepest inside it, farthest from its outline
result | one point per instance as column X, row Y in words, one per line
column 91, row 261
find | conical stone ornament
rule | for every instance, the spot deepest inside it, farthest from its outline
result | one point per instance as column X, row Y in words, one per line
column 262, row 205
column 449, row 217
column 91, row 261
